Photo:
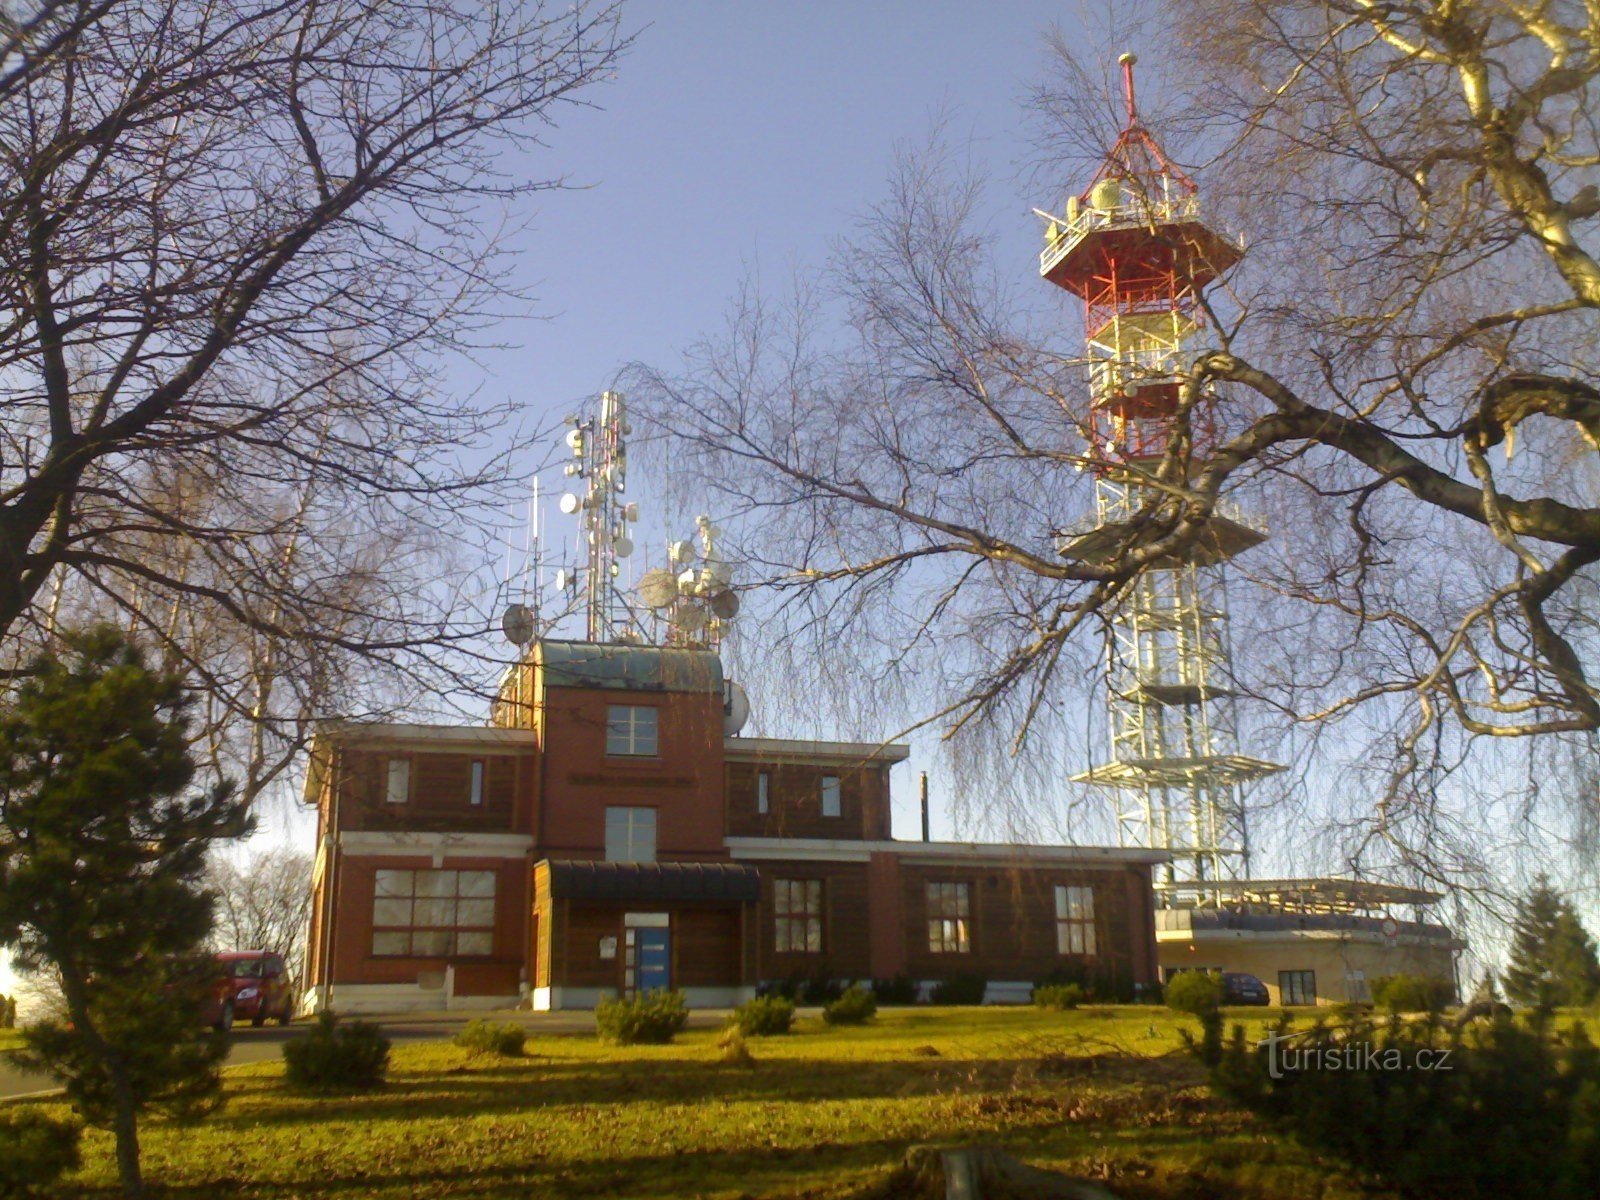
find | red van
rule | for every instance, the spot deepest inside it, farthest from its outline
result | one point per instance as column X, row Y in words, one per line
column 256, row 988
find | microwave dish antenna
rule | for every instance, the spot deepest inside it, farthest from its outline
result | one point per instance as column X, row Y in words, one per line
column 517, row 624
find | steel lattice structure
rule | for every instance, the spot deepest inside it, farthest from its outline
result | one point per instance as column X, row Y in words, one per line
column 1133, row 246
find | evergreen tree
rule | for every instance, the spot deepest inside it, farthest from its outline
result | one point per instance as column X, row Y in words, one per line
column 1553, row 959
column 103, row 839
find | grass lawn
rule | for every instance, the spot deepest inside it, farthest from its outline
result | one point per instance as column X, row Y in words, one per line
column 822, row 1113
column 10, row 1039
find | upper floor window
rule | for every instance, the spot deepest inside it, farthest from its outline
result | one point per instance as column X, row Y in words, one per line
column 797, row 913
column 630, row 834
column 398, row 788
column 763, row 792
column 1075, row 920
column 433, row 914
column 631, row 730
column 830, row 796
column 949, row 917
column 475, row 788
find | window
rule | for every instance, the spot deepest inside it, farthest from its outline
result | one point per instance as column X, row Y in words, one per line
column 763, row 794
column 399, row 787
column 797, row 911
column 631, row 730
column 630, row 835
column 830, row 795
column 949, row 911
column 433, row 914
column 1355, row 986
column 1297, row 987
column 475, row 791
column 1075, row 920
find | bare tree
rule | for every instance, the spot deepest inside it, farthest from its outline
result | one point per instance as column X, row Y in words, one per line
column 1417, row 182
column 263, row 903
column 237, row 244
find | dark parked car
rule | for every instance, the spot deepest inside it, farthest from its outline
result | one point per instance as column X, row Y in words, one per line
column 1239, row 988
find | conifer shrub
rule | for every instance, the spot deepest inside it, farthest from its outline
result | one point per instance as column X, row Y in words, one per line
column 337, row 1057
column 653, row 1018
column 966, row 988
column 1412, row 994
column 38, row 1151
column 899, row 990
column 1194, row 992
column 1431, row 1110
column 1058, row 996
column 856, row 1006
column 765, row 1016
column 483, row 1036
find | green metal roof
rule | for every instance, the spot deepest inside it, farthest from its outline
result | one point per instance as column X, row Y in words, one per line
column 629, row 668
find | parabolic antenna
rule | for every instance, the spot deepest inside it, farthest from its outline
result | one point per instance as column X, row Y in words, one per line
column 622, row 546
column 691, row 618
column 517, row 624
column 735, row 709
column 563, row 579
column 725, row 604
column 570, row 504
column 658, row 588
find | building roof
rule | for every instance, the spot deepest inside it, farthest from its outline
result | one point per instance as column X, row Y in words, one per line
column 585, row 879
column 628, row 667
column 753, row 749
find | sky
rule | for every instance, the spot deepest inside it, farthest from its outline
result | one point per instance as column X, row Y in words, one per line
column 738, row 136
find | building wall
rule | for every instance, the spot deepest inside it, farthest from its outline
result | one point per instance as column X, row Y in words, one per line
column 846, row 938
column 440, row 796
column 684, row 782
column 1341, row 965
column 706, row 945
column 794, row 801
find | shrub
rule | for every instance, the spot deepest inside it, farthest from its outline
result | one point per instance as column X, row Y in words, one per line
column 735, row 1052
column 819, row 987
column 959, row 989
column 1100, row 982
column 902, row 989
column 1412, row 993
column 487, row 1037
column 8, row 1012
column 763, row 1016
column 38, row 1151
column 1194, row 992
column 1058, row 996
column 856, row 1006
column 337, row 1057
column 653, row 1018
column 1514, row 1110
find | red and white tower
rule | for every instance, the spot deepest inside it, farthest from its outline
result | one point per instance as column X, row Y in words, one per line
column 1133, row 245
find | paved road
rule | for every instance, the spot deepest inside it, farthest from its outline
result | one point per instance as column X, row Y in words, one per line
column 258, row 1045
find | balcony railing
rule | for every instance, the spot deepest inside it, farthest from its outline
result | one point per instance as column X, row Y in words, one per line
column 1063, row 234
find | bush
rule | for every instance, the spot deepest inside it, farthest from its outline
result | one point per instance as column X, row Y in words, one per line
column 819, row 987
column 1513, row 1110
column 856, row 1006
column 763, row 1016
column 1194, row 992
column 902, row 989
column 735, row 1052
column 8, row 1012
column 488, row 1037
column 1058, row 996
column 959, row 989
column 1102, row 983
column 38, row 1151
column 337, row 1057
column 1412, row 993
column 653, row 1018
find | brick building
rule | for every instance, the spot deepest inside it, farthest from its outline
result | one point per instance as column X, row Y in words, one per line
column 604, row 833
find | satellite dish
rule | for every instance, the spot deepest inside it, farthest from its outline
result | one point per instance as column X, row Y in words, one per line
column 658, row 588
column 570, row 504
column 563, row 579
column 630, row 511
column 725, row 605
column 517, row 624
column 680, row 552
column 686, row 581
column 735, row 709
column 575, row 440
column 692, row 618
column 623, row 546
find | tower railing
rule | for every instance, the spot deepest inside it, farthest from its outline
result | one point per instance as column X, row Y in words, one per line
column 1136, row 210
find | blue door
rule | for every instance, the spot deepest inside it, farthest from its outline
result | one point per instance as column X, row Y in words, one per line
column 648, row 959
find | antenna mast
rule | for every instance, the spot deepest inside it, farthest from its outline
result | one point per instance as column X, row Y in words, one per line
column 600, row 454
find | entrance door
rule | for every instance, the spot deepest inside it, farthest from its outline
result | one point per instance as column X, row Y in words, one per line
column 649, row 958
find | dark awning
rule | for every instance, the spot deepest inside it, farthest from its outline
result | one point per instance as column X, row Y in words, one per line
column 581, row 879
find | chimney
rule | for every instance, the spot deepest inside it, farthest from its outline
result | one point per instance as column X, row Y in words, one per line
column 925, row 836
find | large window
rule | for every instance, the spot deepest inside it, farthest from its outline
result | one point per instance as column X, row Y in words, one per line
column 630, row 834
column 830, row 795
column 797, row 909
column 631, row 730
column 397, row 789
column 949, row 916
column 433, row 914
column 1297, row 987
column 1075, row 920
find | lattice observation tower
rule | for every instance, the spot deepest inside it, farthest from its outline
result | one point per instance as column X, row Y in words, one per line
column 1135, row 248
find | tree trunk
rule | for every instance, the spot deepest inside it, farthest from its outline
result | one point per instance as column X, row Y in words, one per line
column 127, row 1131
